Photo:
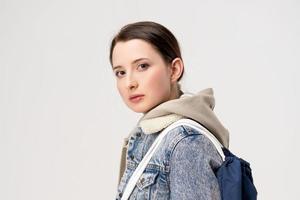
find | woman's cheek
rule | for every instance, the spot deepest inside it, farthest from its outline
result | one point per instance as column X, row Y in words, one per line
column 158, row 82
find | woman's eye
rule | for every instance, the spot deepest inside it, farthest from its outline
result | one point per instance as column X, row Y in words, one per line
column 143, row 66
column 119, row 72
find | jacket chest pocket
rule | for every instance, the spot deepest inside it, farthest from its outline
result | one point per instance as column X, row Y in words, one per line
column 146, row 187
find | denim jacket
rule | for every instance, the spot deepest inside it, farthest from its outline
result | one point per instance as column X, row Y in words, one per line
column 181, row 169
column 183, row 166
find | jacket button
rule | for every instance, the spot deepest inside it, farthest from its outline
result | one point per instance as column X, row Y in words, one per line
column 120, row 194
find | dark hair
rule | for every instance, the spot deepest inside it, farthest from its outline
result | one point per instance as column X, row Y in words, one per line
column 155, row 34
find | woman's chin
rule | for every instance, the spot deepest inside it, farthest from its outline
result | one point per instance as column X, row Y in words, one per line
column 138, row 109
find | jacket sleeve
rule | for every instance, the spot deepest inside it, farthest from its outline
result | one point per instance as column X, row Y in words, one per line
column 192, row 166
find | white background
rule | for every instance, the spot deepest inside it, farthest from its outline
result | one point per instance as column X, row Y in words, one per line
column 62, row 120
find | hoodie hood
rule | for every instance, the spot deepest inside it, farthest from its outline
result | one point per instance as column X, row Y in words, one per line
column 198, row 107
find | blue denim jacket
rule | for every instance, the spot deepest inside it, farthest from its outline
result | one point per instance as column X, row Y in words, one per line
column 181, row 169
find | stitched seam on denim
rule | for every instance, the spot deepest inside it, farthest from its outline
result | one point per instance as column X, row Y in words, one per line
column 174, row 140
column 133, row 165
column 192, row 130
column 188, row 132
column 183, row 133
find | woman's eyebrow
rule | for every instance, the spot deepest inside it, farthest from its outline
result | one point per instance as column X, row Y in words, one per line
column 133, row 62
column 116, row 67
column 139, row 59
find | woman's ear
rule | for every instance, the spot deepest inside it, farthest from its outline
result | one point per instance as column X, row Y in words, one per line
column 176, row 69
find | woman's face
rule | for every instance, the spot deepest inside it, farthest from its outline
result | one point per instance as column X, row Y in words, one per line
column 140, row 70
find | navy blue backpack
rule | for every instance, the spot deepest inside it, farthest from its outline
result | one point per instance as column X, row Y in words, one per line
column 235, row 178
column 234, row 175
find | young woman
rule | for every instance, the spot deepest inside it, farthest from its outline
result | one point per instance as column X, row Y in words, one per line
column 147, row 64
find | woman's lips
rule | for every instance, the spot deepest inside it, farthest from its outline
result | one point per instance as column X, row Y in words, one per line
column 136, row 99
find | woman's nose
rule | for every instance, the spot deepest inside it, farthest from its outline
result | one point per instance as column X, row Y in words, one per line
column 131, row 82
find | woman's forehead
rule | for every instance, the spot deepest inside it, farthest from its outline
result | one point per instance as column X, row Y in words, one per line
column 133, row 50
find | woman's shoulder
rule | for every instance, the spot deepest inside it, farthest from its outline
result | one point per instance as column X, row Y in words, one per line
column 186, row 142
column 185, row 133
column 192, row 165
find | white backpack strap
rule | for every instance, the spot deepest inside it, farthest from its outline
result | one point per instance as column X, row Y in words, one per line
column 142, row 165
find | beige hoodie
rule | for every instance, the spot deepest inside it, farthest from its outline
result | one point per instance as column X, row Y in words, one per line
column 198, row 107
